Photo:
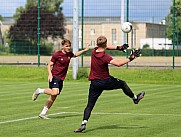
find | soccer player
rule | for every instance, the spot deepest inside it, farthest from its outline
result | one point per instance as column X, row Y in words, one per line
column 101, row 79
column 57, row 70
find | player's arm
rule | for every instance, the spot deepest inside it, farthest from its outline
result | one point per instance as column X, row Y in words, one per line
column 110, row 47
column 121, row 48
column 119, row 63
column 49, row 68
column 134, row 54
column 82, row 51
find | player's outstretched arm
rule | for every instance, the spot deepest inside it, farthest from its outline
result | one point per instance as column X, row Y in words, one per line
column 134, row 54
column 121, row 48
column 82, row 51
column 119, row 63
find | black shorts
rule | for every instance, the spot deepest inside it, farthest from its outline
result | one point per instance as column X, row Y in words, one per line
column 97, row 86
column 56, row 83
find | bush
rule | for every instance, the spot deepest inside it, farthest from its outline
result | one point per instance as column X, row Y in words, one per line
column 146, row 46
column 4, row 49
column 27, row 47
column 46, row 49
column 82, row 73
column 144, row 51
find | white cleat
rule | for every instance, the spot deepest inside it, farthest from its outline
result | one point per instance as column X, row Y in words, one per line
column 43, row 116
column 35, row 94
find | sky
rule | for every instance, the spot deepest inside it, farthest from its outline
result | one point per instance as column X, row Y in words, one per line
column 145, row 10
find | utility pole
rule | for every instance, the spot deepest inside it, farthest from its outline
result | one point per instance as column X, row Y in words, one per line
column 82, row 56
column 127, row 19
column 75, row 37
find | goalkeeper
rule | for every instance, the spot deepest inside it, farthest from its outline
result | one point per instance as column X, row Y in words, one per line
column 101, row 79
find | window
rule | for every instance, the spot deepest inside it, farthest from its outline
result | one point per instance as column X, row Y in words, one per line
column 114, row 37
column 92, row 31
column 93, row 43
column 67, row 31
column 80, row 33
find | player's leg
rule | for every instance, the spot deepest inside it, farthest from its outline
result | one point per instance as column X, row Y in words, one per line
column 87, row 113
column 47, row 106
column 117, row 83
column 50, row 101
column 55, row 87
column 53, row 91
column 47, row 91
column 94, row 94
column 90, row 105
column 128, row 92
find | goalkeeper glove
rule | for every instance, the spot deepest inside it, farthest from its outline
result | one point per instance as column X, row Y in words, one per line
column 123, row 47
column 134, row 53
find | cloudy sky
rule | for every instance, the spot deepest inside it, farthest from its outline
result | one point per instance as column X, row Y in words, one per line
column 138, row 9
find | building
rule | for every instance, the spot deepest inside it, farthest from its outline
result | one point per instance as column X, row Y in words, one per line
column 156, row 43
column 109, row 27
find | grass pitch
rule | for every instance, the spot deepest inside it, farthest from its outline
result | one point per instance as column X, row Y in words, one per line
column 115, row 115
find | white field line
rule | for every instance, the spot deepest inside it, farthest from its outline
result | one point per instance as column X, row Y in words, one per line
column 95, row 113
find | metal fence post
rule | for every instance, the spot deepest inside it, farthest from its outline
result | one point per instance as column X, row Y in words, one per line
column 38, row 44
column 173, row 35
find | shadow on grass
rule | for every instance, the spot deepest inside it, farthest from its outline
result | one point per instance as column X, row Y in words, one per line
column 117, row 127
column 64, row 116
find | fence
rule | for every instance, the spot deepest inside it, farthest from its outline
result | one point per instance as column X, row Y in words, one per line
column 155, row 28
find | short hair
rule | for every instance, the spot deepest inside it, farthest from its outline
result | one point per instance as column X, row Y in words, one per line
column 65, row 41
column 101, row 41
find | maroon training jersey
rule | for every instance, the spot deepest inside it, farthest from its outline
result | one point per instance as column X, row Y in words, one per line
column 61, row 62
column 99, row 65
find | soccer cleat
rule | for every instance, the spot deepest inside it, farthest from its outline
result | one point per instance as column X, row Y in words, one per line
column 43, row 116
column 139, row 97
column 82, row 128
column 35, row 94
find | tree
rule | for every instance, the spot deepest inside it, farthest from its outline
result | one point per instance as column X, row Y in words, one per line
column 169, row 18
column 25, row 28
column 23, row 34
column 1, row 37
column 53, row 6
column 1, row 18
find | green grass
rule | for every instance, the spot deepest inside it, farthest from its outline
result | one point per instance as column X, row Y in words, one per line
column 115, row 115
column 131, row 75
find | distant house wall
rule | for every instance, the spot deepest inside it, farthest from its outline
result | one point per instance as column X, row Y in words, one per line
column 107, row 26
column 156, row 43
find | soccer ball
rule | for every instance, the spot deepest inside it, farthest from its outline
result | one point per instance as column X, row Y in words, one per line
column 126, row 27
